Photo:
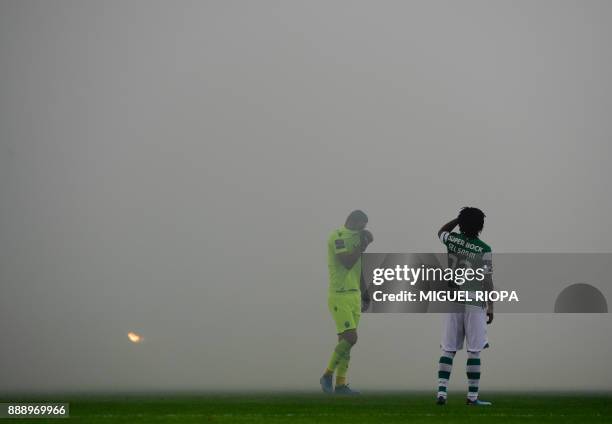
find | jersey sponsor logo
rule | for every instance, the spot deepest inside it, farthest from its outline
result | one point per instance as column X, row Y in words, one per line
column 464, row 243
column 340, row 244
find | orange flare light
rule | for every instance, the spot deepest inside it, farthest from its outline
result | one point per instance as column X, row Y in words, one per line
column 134, row 338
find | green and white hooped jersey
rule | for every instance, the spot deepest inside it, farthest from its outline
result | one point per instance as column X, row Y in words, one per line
column 465, row 252
column 343, row 280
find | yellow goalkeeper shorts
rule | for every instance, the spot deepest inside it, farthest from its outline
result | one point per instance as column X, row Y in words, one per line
column 345, row 308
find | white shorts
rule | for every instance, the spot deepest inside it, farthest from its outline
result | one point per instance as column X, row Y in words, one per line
column 471, row 325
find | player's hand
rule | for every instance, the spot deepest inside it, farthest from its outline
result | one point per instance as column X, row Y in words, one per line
column 366, row 239
column 489, row 312
column 365, row 300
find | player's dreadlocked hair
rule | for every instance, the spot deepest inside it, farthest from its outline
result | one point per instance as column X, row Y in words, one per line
column 471, row 221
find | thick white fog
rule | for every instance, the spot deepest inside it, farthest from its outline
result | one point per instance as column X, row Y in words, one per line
column 174, row 168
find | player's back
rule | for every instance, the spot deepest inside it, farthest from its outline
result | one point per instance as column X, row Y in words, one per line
column 341, row 279
column 471, row 250
column 468, row 253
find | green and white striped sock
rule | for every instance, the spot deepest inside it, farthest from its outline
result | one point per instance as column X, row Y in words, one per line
column 445, row 365
column 473, row 374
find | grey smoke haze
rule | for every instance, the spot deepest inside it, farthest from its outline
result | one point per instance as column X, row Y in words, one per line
column 174, row 168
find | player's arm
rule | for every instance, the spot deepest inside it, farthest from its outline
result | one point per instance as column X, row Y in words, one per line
column 349, row 258
column 488, row 286
column 447, row 228
column 365, row 294
column 366, row 239
column 488, row 283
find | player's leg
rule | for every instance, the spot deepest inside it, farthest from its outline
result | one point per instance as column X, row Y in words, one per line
column 473, row 374
column 445, row 366
column 452, row 341
column 346, row 327
column 476, row 338
column 350, row 337
column 346, row 341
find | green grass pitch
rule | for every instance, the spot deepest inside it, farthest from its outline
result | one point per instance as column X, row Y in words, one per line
column 317, row 408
